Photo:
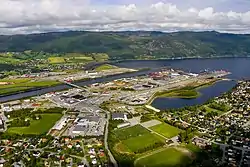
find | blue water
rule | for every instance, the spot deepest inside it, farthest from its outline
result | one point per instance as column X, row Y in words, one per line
column 239, row 67
column 206, row 94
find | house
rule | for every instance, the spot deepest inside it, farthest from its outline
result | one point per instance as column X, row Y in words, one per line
column 119, row 116
column 1, row 124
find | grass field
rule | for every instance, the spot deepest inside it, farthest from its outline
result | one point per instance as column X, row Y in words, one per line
column 182, row 93
column 16, row 81
column 100, row 57
column 122, row 148
column 105, row 67
column 9, row 59
column 56, row 60
column 166, row 158
column 135, row 139
column 79, row 59
column 17, row 85
column 37, row 126
column 124, row 134
column 137, row 143
column 208, row 109
column 166, row 130
column 192, row 147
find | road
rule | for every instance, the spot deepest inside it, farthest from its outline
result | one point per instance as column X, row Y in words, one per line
column 112, row 159
column 84, row 158
column 226, row 113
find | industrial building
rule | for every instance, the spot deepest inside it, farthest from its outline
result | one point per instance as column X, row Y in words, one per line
column 119, row 116
column 89, row 125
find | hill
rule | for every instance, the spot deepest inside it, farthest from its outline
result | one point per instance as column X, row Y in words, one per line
column 132, row 45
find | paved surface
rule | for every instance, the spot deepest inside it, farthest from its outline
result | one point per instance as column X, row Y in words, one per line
column 134, row 121
column 151, row 123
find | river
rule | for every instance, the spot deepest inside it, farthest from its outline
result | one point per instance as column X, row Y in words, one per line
column 239, row 67
column 41, row 91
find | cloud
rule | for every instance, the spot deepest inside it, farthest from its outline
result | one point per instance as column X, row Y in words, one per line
column 29, row 16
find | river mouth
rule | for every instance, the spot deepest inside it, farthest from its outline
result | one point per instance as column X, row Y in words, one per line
column 205, row 94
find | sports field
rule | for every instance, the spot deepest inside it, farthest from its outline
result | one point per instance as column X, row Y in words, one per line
column 137, row 139
column 166, row 130
column 37, row 126
column 140, row 142
column 169, row 157
column 124, row 134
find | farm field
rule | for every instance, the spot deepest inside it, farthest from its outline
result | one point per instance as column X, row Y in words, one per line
column 9, row 59
column 166, row 130
column 168, row 157
column 37, row 126
column 56, row 60
column 16, row 85
column 105, row 67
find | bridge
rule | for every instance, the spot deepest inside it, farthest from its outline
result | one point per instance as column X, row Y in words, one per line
column 73, row 85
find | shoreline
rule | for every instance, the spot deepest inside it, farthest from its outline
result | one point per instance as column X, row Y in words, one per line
column 196, row 88
column 178, row 58
column 74, row 82
column 64, row 86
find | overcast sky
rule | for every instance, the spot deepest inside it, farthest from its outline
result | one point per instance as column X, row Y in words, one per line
column 34, row 16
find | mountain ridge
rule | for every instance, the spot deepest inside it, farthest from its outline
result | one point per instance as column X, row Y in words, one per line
column 125, row 45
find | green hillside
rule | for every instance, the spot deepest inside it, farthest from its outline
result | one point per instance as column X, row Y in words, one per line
column 131, row 45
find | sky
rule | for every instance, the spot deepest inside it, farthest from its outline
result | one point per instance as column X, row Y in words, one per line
column 36, row 16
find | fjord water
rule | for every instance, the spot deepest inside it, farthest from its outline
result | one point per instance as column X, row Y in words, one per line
column 239, row 67
column 206, row 94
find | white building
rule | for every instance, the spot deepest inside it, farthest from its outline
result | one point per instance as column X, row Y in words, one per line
column 119, row 116
column 60, row 124
column 123, row 125
column 6, row 108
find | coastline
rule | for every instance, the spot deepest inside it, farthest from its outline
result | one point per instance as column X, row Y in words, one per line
column 178, row 58
column 195, row 88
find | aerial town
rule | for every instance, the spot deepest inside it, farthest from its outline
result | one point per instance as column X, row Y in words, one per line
column 106, row 123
